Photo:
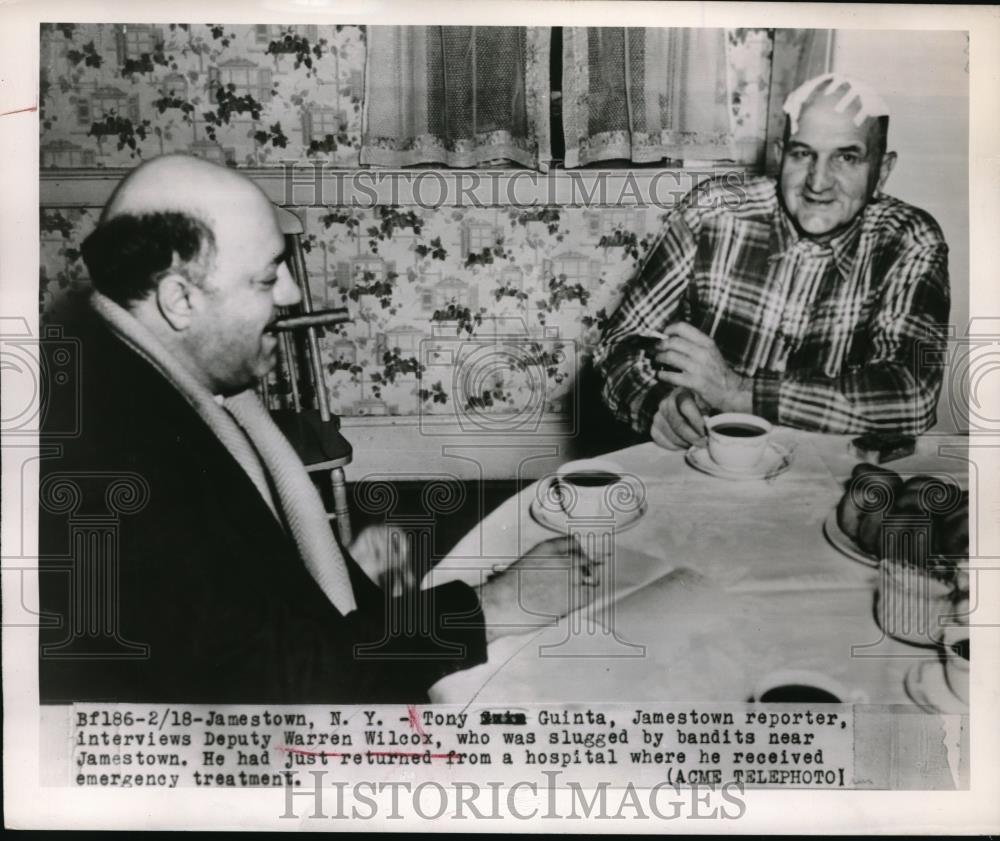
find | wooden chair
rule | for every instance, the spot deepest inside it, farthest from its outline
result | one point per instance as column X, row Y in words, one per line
column 308, row 424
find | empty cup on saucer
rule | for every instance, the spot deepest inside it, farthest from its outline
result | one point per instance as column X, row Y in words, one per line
column 586, row 489
column 737, row 441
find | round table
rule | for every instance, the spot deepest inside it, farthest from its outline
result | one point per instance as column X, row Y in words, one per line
column 717, row 585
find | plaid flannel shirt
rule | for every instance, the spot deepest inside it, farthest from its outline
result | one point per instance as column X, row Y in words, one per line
column 834, row 336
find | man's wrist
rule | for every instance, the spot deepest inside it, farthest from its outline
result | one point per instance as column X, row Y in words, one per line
column 741, row 395
column 766, row 391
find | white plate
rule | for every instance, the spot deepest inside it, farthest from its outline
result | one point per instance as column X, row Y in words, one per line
column 776, row 460
column 560, row 521
column 843, row 544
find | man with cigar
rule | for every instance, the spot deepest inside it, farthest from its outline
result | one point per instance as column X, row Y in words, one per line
column 806, row 301
column 229, row 584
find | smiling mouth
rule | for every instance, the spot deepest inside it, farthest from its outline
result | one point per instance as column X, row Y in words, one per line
column 811, row 200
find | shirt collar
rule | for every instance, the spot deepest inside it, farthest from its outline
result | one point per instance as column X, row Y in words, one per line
column 843, row 247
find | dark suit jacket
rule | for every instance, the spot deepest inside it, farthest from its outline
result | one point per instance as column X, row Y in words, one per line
column 165, row 577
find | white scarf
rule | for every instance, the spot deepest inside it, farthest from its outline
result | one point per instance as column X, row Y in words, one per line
column 246, row 430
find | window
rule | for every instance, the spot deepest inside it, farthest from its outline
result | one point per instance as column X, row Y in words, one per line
column 132, row 41
column 613, row 218
column 369, row 270
column 481, row 237
column 138, row 40
column 264, row 33
column 454, row 291
column 243, row 79
column 107, row 103
column 407, row 341
column 174, row 86
column 512, row 278
column 344, row 351
column 577, row 269
column 323, row 121
column 105, row 106
column 246, row 78
column 67, row 155
column 83, row 111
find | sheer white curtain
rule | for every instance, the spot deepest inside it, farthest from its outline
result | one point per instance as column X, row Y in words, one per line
column 462, row 96
column 679, row 95
column 465, row 96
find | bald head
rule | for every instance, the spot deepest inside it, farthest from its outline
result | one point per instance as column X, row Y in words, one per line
column 171, row 213
column 184, row 184
column 194, row 251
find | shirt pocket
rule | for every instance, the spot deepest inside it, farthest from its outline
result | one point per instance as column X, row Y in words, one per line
column 835, row 338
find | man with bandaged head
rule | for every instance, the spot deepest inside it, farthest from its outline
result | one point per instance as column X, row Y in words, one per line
column 803, row 300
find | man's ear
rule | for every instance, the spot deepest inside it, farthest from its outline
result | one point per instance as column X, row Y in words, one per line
column 888, row 162
column 173, row 299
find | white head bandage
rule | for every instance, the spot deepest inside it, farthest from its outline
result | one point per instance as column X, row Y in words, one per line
column 870, row 104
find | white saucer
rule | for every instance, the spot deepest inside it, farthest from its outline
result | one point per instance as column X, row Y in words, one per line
column 926, row 686
column 842, row 543
column 559, row 521
column 776, row 460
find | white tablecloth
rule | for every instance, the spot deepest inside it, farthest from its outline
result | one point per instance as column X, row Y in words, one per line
column 719, row 583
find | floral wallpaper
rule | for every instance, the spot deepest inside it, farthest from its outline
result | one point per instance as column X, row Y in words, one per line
column 478, row 312
column 244, row 95
column 481, row 313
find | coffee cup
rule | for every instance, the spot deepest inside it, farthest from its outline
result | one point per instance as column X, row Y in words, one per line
column 736, row 440
column 585, row 488
column 805, row 686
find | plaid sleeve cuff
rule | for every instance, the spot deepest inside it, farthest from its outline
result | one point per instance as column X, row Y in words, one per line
column 766, row 388
column 646, row 406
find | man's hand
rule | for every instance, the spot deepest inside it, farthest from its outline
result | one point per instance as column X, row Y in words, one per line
column 678, row 422
column 385, row 557
column 701, row 368
column 551, row 580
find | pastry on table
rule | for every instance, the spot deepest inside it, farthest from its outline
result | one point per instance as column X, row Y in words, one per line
column 867, row 480
column 950, row 532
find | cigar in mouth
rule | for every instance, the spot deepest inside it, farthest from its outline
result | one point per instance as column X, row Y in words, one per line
column 337, row 315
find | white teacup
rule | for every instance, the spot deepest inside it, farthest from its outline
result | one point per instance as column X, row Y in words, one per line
column 805, row 686
column 584, row 488
column 737, row 441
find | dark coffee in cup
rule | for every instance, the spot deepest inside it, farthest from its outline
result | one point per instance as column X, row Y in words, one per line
column 736, row 440
column 739, row 430
column 586, row 488
column 798, row 693
column 590, row 478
